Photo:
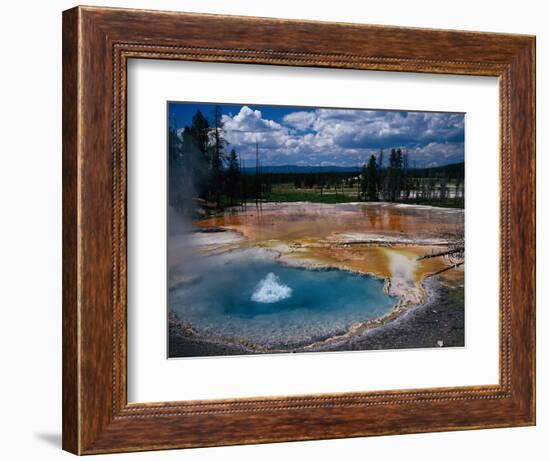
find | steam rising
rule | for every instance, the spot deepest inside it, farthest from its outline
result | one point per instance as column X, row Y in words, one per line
column 402, row 267
column 271, row 290
column 187, row 173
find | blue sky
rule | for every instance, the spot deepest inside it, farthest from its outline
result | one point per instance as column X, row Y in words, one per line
column 325, row 136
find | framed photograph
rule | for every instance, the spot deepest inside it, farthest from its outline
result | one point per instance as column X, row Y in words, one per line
column 281, row 230
column 304, row 236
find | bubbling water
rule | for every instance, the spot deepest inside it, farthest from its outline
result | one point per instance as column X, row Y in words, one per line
column 246, row 295
column 271, row 290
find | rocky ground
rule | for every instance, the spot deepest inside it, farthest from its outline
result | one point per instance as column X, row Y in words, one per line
column 438, row 322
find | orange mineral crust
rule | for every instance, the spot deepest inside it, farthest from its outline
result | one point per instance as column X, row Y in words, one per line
column 381, row 239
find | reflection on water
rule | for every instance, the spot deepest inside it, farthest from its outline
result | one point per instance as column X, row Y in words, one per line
column 288, row 221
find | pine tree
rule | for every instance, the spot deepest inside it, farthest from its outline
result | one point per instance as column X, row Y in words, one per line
column 443, row 188
column 372, row 179
column 395, row 174
column 233, row 176
column 218, row 143
column 406, row 183
column 195, row 153
column 199, row 130
column 380, row 166
column 174, row 169
column 364, row 181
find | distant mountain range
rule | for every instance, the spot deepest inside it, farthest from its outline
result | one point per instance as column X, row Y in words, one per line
column 451, row 169
column 285, row 169
column 298, row 169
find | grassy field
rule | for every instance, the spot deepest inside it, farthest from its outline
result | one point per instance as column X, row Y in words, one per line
column 288, row 193
column 304, row 195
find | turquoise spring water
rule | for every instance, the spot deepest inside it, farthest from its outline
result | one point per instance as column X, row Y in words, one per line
column 251, row 297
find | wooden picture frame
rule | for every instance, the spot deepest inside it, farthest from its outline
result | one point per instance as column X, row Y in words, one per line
column 97, row 43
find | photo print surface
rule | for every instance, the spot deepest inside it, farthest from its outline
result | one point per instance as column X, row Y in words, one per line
column 305, row 229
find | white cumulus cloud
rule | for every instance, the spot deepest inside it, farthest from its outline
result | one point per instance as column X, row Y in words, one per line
column 346, row 136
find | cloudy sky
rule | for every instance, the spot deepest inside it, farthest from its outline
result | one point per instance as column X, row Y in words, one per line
column 342, row 137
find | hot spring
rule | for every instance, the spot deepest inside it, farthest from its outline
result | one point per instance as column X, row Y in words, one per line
column 247, row 295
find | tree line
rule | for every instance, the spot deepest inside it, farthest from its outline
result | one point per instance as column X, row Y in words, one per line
column 199, row 164
column 392, row 181
column 398, row 182
column 202, row 166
